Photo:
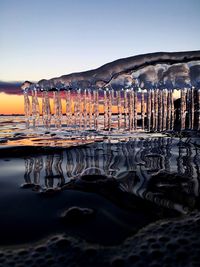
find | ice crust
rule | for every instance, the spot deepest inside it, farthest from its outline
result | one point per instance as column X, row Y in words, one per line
column 156, row 70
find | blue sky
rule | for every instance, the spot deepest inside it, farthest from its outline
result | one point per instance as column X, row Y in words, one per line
column 48, row 38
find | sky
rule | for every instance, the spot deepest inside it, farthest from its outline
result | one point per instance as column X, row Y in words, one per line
column 42, row 39
column 49, row 38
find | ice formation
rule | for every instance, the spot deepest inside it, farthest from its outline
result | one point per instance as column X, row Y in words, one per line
column 151, row 92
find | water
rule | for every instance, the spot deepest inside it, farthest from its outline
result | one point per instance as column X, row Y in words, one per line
column 146, row 177
column 134, row 164
column 133, row 160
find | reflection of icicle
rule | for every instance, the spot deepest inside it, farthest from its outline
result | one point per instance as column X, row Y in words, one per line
column 49, row 171
column 164, row 109
column 168, row 154
column 57, row 163
column 46, row 109
column 27, row 108
column 38, row 165
column 188, row 163
column 183, row 109
column 180, row 167
column 133, row 163
column 148, row 110
column 142, row 108
column 119, row 110
column 28, row 169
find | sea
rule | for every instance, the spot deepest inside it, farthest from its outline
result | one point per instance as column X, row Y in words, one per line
column 129, row 179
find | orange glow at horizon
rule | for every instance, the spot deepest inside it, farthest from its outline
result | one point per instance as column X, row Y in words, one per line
column 14, row 104
column 11, row 104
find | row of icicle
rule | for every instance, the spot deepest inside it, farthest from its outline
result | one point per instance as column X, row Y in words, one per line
column 128, row 109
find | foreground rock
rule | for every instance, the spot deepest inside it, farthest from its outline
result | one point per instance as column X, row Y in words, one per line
column 172, row 242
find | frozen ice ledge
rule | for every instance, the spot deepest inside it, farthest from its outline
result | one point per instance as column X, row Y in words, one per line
column 177, row 69
column 142, row 91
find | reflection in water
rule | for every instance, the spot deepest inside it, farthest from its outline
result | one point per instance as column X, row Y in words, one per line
column 162, row 170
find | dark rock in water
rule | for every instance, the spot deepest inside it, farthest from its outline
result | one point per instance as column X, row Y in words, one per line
column 93, row 183
column 27, row 185
column 62, row 243
column 51, row 192
column 93, row 178
column 77, row 215
column 171, row 242
column 3, row 140
column 175, row 188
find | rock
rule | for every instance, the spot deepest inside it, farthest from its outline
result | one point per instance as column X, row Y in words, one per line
column 77, row 215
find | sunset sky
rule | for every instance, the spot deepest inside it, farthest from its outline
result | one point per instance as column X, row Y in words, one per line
column 48, row 38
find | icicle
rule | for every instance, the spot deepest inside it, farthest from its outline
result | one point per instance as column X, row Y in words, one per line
column 172, row 110
column 135, row 110
column 79, row 110
column 148, row 110
column 68, row 108
column 77, row 114
column 156, row 109
column 164, row 109
column 27, row 108
column 169, row 108
column 130, row 107
column 90, row 108
column 160, row 109
column 110, row 95
column 125, row 109
column 142, row 109
column 153, row 110
column 96, row 109
column 85, row 114
column 119, row 109
column 105, row 110
column 57, row 109
column 183, row 109
column 192, row 108
column 198, row 109
column 46, row 109
column 35, row 108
